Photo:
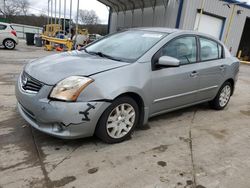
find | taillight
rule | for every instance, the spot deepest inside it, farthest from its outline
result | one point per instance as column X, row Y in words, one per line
column 13, row 32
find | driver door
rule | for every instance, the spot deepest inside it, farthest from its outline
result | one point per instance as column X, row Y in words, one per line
column 174, row 87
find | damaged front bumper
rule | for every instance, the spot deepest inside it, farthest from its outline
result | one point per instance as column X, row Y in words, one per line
column 68, row 120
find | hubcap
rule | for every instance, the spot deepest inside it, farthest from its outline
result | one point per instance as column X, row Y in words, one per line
column 9, row 44
column 225, row 95
column 120, row 120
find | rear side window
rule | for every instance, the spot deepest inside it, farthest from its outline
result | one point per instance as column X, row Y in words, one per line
column 210, row 50
column 2, row 27
column 183, row 48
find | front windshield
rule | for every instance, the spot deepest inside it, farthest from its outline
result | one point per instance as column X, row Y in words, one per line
column 126, row 46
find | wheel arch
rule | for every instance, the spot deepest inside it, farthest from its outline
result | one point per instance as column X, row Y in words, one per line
column 232, row 82
column 9, row 39
column 140, row 102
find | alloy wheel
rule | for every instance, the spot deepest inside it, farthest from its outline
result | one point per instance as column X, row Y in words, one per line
column 120, row 121
column 225, row 95
column 9, row 44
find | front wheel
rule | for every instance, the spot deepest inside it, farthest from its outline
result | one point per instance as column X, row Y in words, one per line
column 118, row 121
column 222, row 98
column 9, row 44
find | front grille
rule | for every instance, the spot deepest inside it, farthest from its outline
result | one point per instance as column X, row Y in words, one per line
column 30, row 84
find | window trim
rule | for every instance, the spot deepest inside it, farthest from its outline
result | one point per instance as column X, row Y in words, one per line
column 155, row 56
column 4, row 26
column 213, row 40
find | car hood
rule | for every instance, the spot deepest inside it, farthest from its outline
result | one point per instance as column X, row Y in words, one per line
column 51, row 69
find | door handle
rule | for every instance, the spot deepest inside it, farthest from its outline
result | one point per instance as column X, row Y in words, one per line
column 222, row 67
column 194, row 74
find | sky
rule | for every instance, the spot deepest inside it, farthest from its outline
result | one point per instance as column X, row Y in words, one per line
column 38, row 7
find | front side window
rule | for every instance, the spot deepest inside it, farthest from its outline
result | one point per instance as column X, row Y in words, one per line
column 210, row 50
column 184, row 49
column 2, row 27
column 127, row 45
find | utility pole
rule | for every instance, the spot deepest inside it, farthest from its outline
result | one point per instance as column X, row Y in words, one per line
column 59, row 12
column 51, row 10
column 55, row 11
column 70, row 16
column 64, row 21
column 48, row 12
column 77, row 16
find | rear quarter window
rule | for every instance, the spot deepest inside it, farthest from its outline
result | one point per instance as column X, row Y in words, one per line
column 210, row 50
column 2, row 27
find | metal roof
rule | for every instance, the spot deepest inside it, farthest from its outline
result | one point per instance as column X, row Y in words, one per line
column 124, row 5
column 240, row 3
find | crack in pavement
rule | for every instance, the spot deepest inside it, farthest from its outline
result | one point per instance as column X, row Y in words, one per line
column 191, row 150
column 65, row 158
column 45, row 173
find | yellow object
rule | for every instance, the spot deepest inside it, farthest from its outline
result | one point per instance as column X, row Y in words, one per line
column 245, row 62
column 67, row 42
column 239, row 54
column 82, row 32
column 48, row 47
column 51, row 30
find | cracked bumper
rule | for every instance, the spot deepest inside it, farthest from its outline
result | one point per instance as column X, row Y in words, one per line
column 68, row 120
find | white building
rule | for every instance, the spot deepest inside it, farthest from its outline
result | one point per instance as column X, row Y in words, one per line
column 185, row 14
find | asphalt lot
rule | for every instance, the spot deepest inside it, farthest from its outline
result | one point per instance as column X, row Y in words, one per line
column 194, row 147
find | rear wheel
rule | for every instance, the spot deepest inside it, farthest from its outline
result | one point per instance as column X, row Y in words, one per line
column 223, row 97
column 118, row 121
column 9, row 44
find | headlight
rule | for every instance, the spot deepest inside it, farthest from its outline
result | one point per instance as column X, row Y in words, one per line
column 70, row 88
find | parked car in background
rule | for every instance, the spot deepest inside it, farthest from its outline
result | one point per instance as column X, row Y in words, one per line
column 119, row 82
column 94, row 37
column 8, row 37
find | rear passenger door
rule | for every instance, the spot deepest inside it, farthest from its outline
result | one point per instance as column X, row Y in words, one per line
column 211, row 68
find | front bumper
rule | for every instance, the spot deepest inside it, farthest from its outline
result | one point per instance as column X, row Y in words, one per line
column 66, row 120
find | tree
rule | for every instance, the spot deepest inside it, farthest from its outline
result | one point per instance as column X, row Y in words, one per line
column 24, row 5
column 88, row 17
column 15, row 7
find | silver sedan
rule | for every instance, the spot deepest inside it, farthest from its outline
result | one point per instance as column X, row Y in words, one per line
column 120, row 81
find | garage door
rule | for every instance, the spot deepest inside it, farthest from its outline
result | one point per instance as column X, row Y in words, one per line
column 209, row 25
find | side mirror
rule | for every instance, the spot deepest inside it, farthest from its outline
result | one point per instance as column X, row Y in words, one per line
column 168, row 61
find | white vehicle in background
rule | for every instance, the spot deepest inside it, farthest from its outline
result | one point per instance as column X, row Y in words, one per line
column 8, row 37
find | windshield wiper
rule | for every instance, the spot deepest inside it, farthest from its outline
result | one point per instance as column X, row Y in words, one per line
column 85, row 50
column 103, row 55
column 187, row 59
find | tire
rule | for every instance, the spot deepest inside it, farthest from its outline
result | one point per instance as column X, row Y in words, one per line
column 9, row 44
column 223, row 97
column 118, row 120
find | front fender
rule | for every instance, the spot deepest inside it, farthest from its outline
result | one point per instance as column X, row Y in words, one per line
column 108, row 85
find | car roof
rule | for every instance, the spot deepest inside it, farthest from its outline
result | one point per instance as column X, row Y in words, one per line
column 174, row 30
column 3, row 23
column 158, row 29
